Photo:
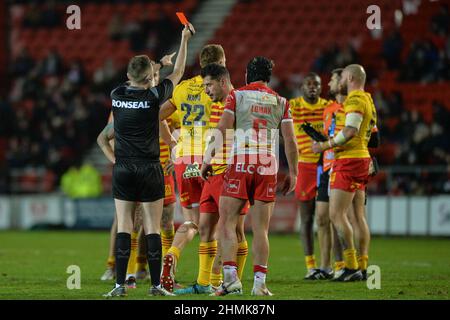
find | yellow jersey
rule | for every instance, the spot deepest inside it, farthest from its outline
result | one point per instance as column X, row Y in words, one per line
column 164, row 151
column 361, row 102
column 302, row 112
column 194, row 108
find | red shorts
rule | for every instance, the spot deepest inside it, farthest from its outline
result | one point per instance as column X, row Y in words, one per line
column 250, row 181
column 306, row 187
column 209, row 202
column 350, row 174
column 169, row 187
column 189, row 183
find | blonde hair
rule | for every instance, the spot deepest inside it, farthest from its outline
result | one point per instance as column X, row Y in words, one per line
column 211, row 53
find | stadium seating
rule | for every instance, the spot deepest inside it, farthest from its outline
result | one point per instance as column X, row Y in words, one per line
column 91, row 44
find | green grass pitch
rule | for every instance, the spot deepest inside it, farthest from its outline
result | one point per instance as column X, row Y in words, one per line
column 33, row 266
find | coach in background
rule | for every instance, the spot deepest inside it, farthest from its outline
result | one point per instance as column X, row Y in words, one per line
column 137, row 172
column 351, row 166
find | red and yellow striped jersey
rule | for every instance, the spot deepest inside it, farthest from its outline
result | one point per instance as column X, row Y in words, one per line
column 303, row 112
column 361, row 102
column 164, row 152
column 219, row 162
column 333, row 122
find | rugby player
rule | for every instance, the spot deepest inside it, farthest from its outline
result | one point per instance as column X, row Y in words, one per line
column 194, row 108
column 351, row 166
column 216, row 81
column 258, row 110
column 308, row 108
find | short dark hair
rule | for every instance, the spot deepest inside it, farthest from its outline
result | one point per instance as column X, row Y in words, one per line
column 211, row 53
column 138, row 66
column 259, row 69
column 215, row 71
column 337, row 71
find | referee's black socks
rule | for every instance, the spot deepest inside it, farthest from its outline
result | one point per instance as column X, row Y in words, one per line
column 154, row 257
column 123, row 248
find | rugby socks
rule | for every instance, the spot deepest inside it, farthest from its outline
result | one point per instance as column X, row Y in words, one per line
column 310, row 262
column 174, row 251
column 350, row 259
column 229, row 271
column 111, row 262
column 131, row 270
column 167, row 239
column 363, row 261
column 216, row 278
column 206, row 253
column 123, row 246
column 260, row 273
column 153, row 241
column 339, row 265
column 241, row 257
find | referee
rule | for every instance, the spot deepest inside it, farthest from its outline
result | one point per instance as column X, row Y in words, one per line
column 137, row 172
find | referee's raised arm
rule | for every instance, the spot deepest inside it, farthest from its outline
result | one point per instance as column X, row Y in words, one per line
column 180, row 63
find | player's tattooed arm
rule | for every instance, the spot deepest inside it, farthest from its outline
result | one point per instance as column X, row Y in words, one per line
column 103, row 140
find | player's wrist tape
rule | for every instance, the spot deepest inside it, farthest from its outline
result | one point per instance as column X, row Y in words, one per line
column 339, row 139
column 353, row 120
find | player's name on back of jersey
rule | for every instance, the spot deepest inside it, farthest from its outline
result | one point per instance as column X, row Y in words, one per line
column 194, row 97
column 131, row 104
column 256, row 108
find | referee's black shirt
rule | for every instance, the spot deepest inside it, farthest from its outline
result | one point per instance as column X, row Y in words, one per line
column 136, row 120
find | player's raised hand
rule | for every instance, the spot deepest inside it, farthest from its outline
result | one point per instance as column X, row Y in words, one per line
column 167, row 59
column 188, row 31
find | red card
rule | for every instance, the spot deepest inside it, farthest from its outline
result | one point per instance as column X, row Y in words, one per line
column 184, row 21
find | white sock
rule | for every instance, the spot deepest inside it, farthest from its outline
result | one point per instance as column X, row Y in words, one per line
column 117, row 285
column 229, row 273
column 259, row 279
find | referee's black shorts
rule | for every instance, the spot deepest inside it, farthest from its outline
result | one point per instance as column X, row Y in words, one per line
column 137, row 180
column 322, row 189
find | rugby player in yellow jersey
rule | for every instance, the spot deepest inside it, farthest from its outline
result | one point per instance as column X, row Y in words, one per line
column 333, row 119
column 308, row 108
column 352, row 161
column 194, row 106
column 216, row 80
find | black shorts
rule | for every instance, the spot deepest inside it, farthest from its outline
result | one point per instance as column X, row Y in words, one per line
column 322, row 189
column 137, row 181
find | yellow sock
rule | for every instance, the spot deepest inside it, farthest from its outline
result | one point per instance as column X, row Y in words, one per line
column 131, row 269
column 141, row 263
column 111, row 262
column 310, row 262
column 339, row 265
column 350, row 259
column 166, row 240
column 206, row 253
column 241, row 257
column 174, row 251
column 363, row 261
column 216, row 278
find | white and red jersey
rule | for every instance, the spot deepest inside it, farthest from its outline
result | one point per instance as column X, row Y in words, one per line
column 258, row 110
